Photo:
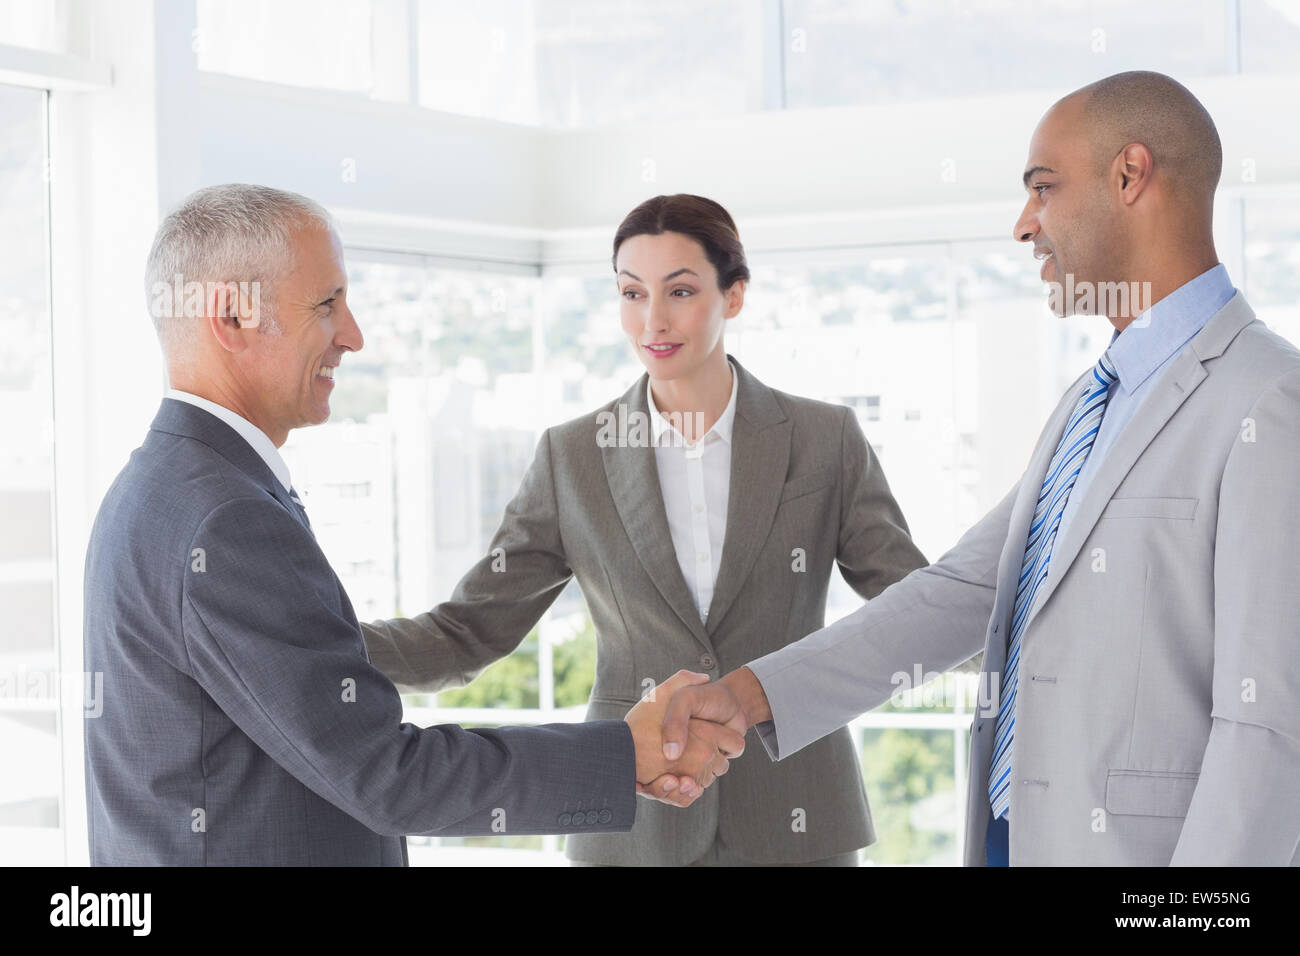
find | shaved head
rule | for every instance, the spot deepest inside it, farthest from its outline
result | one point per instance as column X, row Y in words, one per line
column 1120, row 184
column 1162, row 115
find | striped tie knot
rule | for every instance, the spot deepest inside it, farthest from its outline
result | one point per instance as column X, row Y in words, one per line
column 1103, row 373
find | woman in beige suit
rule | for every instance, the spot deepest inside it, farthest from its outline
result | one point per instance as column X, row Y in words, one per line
column 702, row 514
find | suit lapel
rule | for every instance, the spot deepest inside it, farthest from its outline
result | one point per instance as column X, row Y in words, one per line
column 190, row 421
column 1186, row 373
column 633, row 478
column 760, row 458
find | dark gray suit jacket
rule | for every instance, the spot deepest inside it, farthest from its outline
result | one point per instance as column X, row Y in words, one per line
column 242, row 721
column 807, row 494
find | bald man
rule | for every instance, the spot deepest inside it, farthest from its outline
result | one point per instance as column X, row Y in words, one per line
column 1135, row 592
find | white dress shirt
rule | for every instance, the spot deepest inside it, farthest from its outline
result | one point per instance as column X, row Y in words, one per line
column 255, row 437
column 696, row 483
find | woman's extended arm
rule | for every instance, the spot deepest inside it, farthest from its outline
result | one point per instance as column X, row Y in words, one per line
column 498, row 601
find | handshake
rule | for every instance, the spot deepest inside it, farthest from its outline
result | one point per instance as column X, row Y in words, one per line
column 687, row 730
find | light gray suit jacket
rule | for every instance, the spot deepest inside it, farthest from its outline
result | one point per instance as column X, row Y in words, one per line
column 1158, row 701
column 802, row 477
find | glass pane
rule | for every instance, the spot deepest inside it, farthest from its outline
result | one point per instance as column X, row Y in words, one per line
column 874, row 335
column 1270, row 36
column 913, row 796
column 510, row 682
column 584, row 62
column 950, row 358
column 479, row 59
column 1272, row 284
column 574, row 654
column 316, row 43
column 844, row 52
column 589, row 358
column 40, row 24
column 640, row 60
column 29, row 798
column 434, row 424
column 29, row 679
column 1017, row 359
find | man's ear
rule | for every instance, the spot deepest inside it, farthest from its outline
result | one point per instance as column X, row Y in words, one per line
column 735, row 298
column 222, row 313
column 1133, row 169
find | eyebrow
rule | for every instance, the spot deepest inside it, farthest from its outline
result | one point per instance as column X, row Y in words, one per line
column 1029, row 173
column 671, row 275
column 333, row 295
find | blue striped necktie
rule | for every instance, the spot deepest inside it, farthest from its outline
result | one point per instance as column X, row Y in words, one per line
column 1063, row 471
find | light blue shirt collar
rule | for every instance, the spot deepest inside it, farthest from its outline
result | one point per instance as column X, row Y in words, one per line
column 1159, row 332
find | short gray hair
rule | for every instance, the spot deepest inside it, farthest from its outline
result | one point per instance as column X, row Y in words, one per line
column 229, row 233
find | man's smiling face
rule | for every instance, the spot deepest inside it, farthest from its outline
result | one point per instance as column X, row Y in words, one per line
column 292, row 371
column 1068, row 216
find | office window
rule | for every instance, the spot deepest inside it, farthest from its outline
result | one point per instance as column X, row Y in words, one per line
column 37, row 24
column 841, row 52
column 557, row 63
column 432, row 427
column 325, row 44
column 577, row 63
column 479, row 59
column 910, row 784
column 1272, row 282
column 568, row 63
column 874, row 325
column 434, row 423
column 586, row 348
column 30, row 679
column 640, row 60
column 1270, row 36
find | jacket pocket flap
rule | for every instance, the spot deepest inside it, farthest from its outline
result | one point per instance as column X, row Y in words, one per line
column 807, row 484
column 1180, row 508
column 1149, row 793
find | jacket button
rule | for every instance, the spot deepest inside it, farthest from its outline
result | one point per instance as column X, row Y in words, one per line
column 707, row 662
column 592, row 817
column 565, row 819
column 606, row 816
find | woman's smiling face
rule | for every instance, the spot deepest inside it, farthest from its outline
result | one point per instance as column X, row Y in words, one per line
column 671, row 307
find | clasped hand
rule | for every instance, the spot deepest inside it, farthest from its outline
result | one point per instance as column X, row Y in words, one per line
column 667, row 769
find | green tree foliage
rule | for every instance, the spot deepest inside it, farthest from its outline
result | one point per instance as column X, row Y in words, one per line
column 510, row 682
column 904, row 770
column 513, row 681
column 575, row 668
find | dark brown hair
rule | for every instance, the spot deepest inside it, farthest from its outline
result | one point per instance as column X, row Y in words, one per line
column 701, row 219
